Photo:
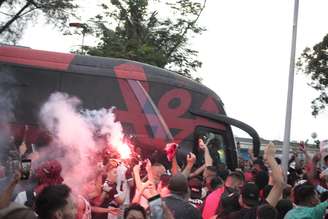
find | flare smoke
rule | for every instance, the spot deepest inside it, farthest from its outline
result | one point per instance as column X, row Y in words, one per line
column 76, row 133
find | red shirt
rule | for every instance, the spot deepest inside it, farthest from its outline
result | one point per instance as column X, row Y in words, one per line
column 212, row 202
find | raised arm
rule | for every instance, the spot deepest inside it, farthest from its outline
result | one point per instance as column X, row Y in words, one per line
column 171, row 151
column 149, row 171
column 139, row 192
column 311, row 167
column 111, row 210
column 277, row 175
column 307, row 156
column 175, row 166
column 191, row 159
column 207, row 155
column 198, row 171
column 136, row 176
column 7, row 193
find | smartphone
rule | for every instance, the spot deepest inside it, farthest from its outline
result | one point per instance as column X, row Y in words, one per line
column 26, row 168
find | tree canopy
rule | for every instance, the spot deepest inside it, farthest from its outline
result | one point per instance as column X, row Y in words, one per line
column 130, row 29
column 314, row 62
column 16, row 14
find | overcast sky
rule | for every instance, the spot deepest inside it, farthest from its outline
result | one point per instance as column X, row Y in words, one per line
column 245, row 53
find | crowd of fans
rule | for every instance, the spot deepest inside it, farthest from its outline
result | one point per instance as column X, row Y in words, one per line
column 199, row 187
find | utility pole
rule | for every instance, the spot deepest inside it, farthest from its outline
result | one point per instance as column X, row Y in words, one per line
column 84, row 28
column 285, row 157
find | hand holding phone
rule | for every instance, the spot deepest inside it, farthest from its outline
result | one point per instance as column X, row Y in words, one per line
column 26, row 168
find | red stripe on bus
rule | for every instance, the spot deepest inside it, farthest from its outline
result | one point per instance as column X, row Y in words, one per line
column 38, row 58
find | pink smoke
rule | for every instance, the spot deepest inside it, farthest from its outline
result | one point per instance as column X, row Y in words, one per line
column 77, row 133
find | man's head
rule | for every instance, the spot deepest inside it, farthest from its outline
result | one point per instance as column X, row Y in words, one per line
column 48, row 173
column 305, row 195
column 162, row 187
column 228, row 204
column 55, row 202
column 249, row 195
column 135, row 211
column 157, row 171
column 112, row 170
column 261, row 179
column 216, row 182
column 112, row 173
column 235, row 180
column 258, row 165
column 178, row 185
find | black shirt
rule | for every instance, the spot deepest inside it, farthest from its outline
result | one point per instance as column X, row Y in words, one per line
column 245, row 213
column 181, row 208
column 108, row 201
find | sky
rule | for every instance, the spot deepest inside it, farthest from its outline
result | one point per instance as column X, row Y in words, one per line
column 246, row 54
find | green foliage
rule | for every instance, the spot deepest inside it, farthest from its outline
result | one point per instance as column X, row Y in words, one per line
column 129, row 29
column 16, row 14
column 313, row 62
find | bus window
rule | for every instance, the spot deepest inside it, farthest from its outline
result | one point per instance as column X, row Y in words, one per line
column 216, row 143
column 29, row 88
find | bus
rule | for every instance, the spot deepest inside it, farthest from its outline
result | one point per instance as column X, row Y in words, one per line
column 154, row 105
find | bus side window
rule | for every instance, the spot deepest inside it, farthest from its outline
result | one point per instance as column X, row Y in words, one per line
column 216, row 144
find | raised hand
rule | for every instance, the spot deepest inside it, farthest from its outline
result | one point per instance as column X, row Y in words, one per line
column 191, row 159
column 136, row 168
column 201, row 144
column 171, row 150
column 269, row 151
column 22, row 149
column 148, row 165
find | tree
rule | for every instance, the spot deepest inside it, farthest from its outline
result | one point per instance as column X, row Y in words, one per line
column 129, row 29
column 15, row 14
column 314, row 62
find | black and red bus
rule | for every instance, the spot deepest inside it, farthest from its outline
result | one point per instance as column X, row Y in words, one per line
column 154, row 105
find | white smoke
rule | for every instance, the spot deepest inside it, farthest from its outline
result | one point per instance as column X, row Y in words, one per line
column 104, row 124
column 60, row 116
column 76, row 133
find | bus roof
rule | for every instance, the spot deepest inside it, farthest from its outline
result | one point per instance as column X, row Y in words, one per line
column 97, row 66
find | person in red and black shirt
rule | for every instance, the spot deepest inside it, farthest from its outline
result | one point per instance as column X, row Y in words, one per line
column 106, row 198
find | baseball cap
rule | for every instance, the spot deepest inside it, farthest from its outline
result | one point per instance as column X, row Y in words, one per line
column 250, row 194
column 230, row 201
